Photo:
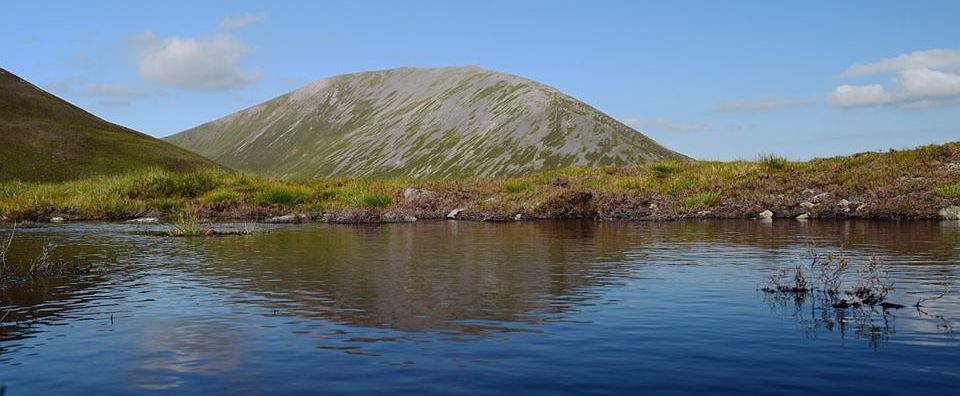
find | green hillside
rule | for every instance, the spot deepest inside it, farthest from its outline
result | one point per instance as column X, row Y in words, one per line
column 413, row 122
column 44, row 138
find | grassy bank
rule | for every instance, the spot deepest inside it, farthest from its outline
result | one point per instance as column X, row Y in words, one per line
column 897, row 184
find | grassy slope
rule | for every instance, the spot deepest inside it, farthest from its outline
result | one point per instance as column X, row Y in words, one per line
column 898, row 184
column 499, row 128
column 43, row 138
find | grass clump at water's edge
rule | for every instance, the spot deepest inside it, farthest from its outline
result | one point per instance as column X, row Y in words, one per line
column 873, row 183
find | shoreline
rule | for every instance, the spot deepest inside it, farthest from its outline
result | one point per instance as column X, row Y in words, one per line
column 921, row 183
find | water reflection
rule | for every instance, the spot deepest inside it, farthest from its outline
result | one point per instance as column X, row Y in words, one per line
column 200, row 312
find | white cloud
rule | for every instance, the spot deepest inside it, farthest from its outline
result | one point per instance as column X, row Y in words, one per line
column 758, row 105
column 921, row 79
column 941, row 59
column 911, row 88
column 239, row 21
column 197, row 63
column 666, row 125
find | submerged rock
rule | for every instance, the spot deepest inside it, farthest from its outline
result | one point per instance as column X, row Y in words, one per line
column 144, row 220
column 454, row 213
column 951, row 212
column 290, row 218
column 765, row 215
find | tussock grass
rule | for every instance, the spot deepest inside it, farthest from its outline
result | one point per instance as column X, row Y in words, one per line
column 701, row 200
column 896, row 184
column 773, row 162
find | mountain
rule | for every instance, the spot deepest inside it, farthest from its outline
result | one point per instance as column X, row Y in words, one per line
column 44, row 138
column 457, row 121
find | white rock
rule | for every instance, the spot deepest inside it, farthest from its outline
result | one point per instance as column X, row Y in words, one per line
column 413, row 192
column 144, row 220
column 803, row 217
column 409, row 219
column 454, row 213
column 57, row 219
column 766, row 214
column 290, row 218
column 820, row 197
column 517, row 217
column 808, row 205
column 950, row 213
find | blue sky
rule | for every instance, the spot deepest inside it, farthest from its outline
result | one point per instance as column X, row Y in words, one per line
column 714, row 80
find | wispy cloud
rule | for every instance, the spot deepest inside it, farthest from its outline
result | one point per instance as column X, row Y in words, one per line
column 758, row 105
column 662, row 124
column 942, row 59
column 239, row 21
column 197, row 63
column 920, row 79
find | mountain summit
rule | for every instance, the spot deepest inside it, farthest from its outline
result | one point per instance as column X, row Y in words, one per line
column 457, row 121
column 44, row 138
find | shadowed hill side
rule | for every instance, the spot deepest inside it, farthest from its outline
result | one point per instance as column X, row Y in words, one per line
column 44, row 138
column 414, row 122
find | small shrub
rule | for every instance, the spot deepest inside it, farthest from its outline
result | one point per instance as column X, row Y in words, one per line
column 516, row 187
column 703, row 200
column 376, row 200
column 280, row 195
column 948, row 191
column 773, row 162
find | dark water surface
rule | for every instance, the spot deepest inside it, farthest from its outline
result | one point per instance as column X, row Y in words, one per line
column 473, row 308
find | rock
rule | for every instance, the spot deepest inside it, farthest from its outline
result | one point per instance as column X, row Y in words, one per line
column 290, row 218
column 803, row 217
column 654, row 205
column 57, row 219
column 807, row 205
column 951, row 212
column 844, row 205
column 454, row 213
column 409, row 219
column 704, row 213
column 144, row 220
column 413, row 192
column 820, row 197
column 517, row 217
column 765, row 215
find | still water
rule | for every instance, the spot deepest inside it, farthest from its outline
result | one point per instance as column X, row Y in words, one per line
column 475, row 308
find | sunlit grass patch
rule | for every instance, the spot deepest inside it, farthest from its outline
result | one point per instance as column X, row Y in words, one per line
column 516, row 187
column 700, row 200
column 948, row 191
column 281, row 195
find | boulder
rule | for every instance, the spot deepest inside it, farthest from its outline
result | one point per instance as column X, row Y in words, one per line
column 454, row 213
column 951, row 212
column 144, row 220
column 844, row 205
column 803, row 217
column 413, row 193
column 807, row 205
column 409, row 219
column 765, row 215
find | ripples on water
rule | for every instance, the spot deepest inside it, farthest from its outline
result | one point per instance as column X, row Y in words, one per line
column 540, row 307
